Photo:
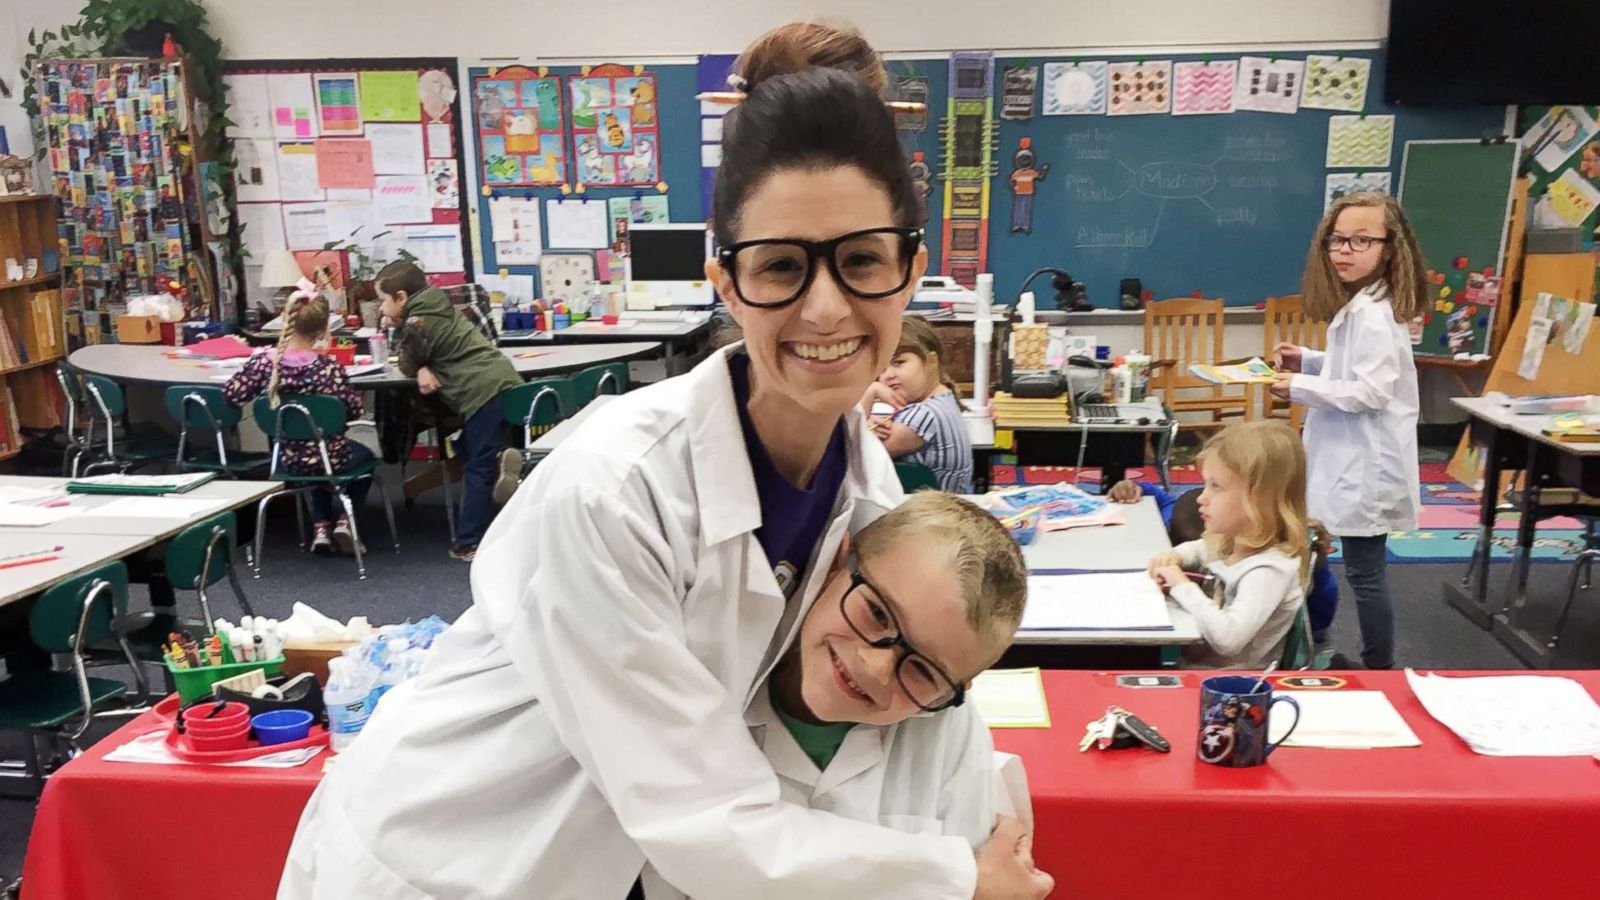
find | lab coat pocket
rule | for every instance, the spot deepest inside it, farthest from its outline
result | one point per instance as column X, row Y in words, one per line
column 913, row 824
column 342, row 867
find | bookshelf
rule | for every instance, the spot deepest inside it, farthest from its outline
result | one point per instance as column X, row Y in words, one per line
column 32, row 331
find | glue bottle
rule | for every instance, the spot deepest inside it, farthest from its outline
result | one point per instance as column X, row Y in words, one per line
column 1121, row 381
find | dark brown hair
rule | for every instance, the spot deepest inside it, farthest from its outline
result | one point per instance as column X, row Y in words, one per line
column 401, row 275
column 919, row 339
column 798, row 46
column 811, row 119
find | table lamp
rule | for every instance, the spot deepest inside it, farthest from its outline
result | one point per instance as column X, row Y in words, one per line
column 281, row 271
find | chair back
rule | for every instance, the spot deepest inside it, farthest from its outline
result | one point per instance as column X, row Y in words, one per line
column 1285, row 322
column 915, row 476
column 1186, row 332
column 1297, row 649
column 303, row 417
column 201, row 406
column 105, row 397
column 538, row 405
column 611, row 378
column 201, row 554
column 60, row 613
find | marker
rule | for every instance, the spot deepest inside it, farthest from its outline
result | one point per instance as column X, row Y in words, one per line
column 41, row 551
column 28, row 562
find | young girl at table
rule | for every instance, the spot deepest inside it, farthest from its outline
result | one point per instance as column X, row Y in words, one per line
column 297, row 368
column 1256, row 547
column 925, row 426
column 1366, row 280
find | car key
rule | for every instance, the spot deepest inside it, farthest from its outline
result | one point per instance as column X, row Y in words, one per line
column 1143, row 732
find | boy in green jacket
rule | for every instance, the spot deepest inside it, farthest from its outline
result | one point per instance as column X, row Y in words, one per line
column 447, row 354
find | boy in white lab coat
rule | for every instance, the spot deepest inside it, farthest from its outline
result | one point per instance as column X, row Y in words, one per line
column 865, row 717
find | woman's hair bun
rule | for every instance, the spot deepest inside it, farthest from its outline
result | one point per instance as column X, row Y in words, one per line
column 804, row 45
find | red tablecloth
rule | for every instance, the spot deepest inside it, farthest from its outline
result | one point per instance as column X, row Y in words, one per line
column 1433, row 821
column 1436, row 821
column 108, row 830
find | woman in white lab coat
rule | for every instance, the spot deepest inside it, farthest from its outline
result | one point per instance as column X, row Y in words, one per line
column 586, row 715
column 1365, row 279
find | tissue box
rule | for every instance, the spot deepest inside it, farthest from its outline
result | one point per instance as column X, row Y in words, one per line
column 138, row 329
column 312, row 657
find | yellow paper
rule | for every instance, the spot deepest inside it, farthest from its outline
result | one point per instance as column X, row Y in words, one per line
column 390, row 97
column 1572, row 198
column 1011, row 698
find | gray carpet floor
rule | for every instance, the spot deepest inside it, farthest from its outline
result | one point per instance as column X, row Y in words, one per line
column 421, row 579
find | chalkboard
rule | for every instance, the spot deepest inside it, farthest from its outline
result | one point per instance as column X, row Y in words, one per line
column 1223, row 204
column 1457, row 195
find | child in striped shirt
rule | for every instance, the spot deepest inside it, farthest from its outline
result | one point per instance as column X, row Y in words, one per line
column 926, row 425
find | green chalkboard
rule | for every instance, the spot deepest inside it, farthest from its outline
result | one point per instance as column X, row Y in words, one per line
column 1458, row 197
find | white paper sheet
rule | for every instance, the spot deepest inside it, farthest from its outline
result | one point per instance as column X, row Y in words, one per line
column 152, row 749
column 1342, row 720
column 23, row 515
column 1513, row 715
column 514, row 228
column 1360, row 142
column 439, row 143
column 403, row 199
column 249, row 106
column 153, row 508
column 1269, row 85
column 711, row 130
column 1336, row 82
column 517, row 289
column 263, row 232
column 1341, row 183
column 305, row 225
column 1100, row 601
column 294, row 105
column 396, row 149
column 576, row 224
column 436, row 247
column 358, row 221
column 1011, row 698
column 297, row 173
column 1533, row 348
column 710, row 156
column 255, row 178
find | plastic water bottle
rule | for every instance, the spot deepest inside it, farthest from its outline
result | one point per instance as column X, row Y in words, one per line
column 350, row 698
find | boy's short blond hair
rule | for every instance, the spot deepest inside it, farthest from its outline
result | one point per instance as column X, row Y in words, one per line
column 988, row 562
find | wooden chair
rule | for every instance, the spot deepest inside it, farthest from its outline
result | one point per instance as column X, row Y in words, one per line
column 1178, row 334
column 1286, row 322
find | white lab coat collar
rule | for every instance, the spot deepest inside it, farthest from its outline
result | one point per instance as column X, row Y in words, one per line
column 1368, row 295
column 725, row 485
column 863, row 748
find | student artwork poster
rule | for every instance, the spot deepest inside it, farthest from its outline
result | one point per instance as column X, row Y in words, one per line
column 519, row 120
column 616, row 135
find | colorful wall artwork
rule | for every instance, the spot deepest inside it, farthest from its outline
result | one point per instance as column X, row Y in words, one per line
column 520, row 128
column 616, row 134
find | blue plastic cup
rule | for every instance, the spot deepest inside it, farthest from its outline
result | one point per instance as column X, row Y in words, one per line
column 281, row 726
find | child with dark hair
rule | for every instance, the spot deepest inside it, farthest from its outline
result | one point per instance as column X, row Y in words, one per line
column 449, row 356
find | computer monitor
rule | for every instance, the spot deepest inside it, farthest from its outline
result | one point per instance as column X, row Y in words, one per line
column 667, row 266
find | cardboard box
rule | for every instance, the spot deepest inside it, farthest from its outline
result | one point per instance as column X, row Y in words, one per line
column 138, row 329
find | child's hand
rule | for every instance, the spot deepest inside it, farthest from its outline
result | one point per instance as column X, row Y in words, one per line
column 1125, row 491
column 881, row 426
column 878, row 392
column 1169, row 577
column 1280, row 387
column 427, row 382
column 1286, row 357
column 1164, row 559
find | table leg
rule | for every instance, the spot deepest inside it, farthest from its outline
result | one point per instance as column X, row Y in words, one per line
column 1528, row 508
column 1471, row 597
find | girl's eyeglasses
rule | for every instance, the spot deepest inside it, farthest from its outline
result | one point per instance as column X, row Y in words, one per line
column 771, row 273
column 1360, row 243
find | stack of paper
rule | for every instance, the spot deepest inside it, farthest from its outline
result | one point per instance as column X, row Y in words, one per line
column 1514, row 715
column 1101, row 601
column 1343, row 720
column 1011, row 698
column 1012, row 411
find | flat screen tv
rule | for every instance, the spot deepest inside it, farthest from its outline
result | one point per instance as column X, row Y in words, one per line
column 1492, row 52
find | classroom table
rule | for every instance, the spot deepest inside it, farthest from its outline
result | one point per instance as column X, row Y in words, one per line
column 1106, row 548
column 149, row 363
column 1161, row 424
column 1511, row 442
column 1402, row 824
column 980, row 434
column 1424, row 822
column 677, row 332
column 89, row 540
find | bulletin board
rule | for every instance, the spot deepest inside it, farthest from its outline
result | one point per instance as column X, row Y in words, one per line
column 673, row 130
column 1566, row 168
column 1190, row 198
column 364, row 151
column 520, row 121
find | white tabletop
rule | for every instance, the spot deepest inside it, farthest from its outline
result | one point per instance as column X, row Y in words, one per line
column 87, row 539
column 1529, row 426
column 627, row 329
column 553, row 438
column 149, row 363
column 1108, row 548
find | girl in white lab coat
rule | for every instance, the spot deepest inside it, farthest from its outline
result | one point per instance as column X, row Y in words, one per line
column 1256, row 546
column 1365, row 278
column 865, row 715
column 586, row 715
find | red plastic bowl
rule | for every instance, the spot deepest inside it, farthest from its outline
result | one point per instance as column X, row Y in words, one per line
column 232, row 717
column 211, row 743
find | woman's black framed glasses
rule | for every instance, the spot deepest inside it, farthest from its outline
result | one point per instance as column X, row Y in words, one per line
column 869, row 615
column 770, row 273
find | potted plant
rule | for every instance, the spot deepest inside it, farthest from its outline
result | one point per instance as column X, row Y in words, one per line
column 361, row 289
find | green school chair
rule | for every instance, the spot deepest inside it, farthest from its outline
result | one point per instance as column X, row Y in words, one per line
column 611, row 378
column 202, row 407
column 536, row 407
column 312, row 418
column 60, row 706
column 107, row 406
column 1298, row 654
column 915, row 477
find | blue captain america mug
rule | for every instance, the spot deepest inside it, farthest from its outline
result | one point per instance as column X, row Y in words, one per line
column 1234, row 715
